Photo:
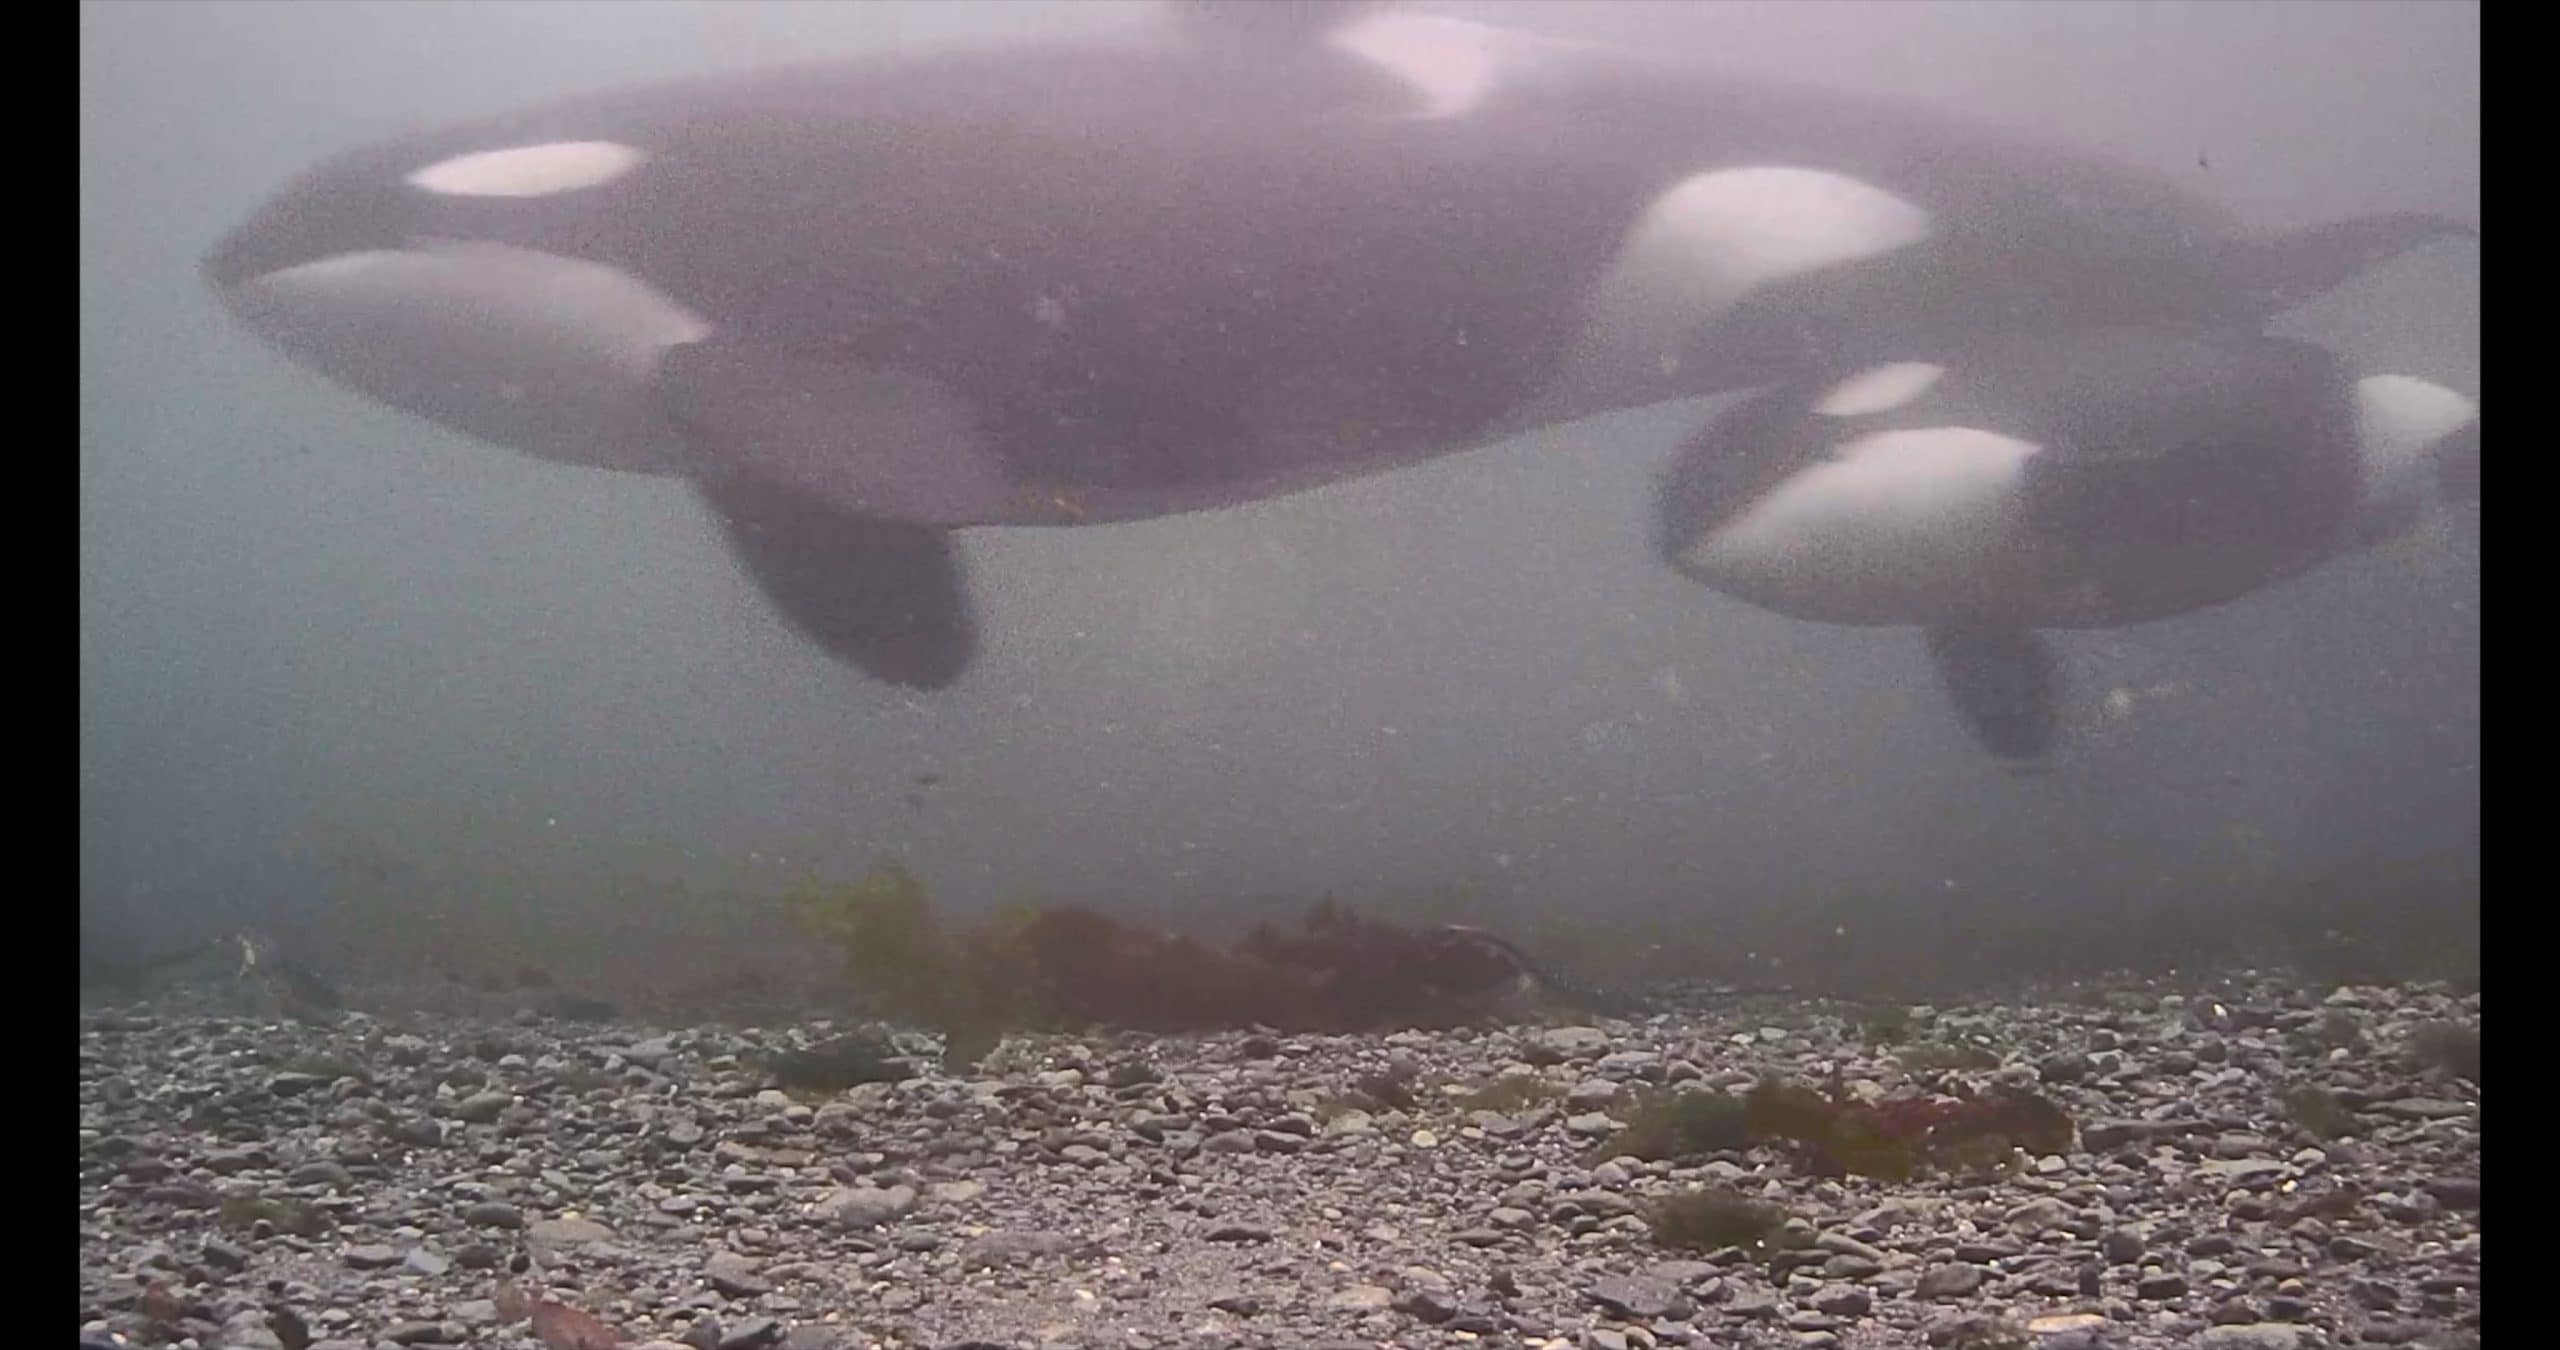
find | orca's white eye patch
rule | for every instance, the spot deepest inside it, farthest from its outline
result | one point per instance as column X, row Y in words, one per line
column 2400, row 420
column 1710, row 240
column 529, row 170
column 2401, row 414
column 1881, row 389
column 1725, row 232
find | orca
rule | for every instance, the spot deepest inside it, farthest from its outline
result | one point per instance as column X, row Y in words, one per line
column 2056, row 480
column 864, row 304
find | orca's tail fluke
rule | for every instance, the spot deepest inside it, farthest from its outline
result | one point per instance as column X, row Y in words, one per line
column 2006, row 685
column 2287, row 269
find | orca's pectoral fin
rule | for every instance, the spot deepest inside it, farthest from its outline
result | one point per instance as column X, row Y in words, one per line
column 879, row 443
column 887, row 597
column 2005, row 683
column 2296, row 266
column 1733, row 456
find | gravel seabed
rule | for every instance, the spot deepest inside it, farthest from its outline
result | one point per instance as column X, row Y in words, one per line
column 1137, row 1192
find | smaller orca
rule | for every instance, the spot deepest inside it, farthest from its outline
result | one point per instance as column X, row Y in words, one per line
column 2081, row 479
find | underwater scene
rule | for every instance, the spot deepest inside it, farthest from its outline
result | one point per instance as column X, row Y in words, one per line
column 1279, row 674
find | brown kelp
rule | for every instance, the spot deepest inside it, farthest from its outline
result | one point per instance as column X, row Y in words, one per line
column 1063, row 967
column 2318, row 1112
column 2448, row 1048
column 1704, row 1219
column 1894, row 1137
column 1663, row 1125
column 1891, row 1138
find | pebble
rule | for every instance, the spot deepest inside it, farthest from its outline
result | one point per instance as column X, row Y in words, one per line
column 1167, row 1186
column 493, row 1214
column 860, row 1207
column 1642, row 1297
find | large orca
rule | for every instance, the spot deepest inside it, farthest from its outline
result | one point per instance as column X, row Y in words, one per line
column 862, row 304
column 2079, row 479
